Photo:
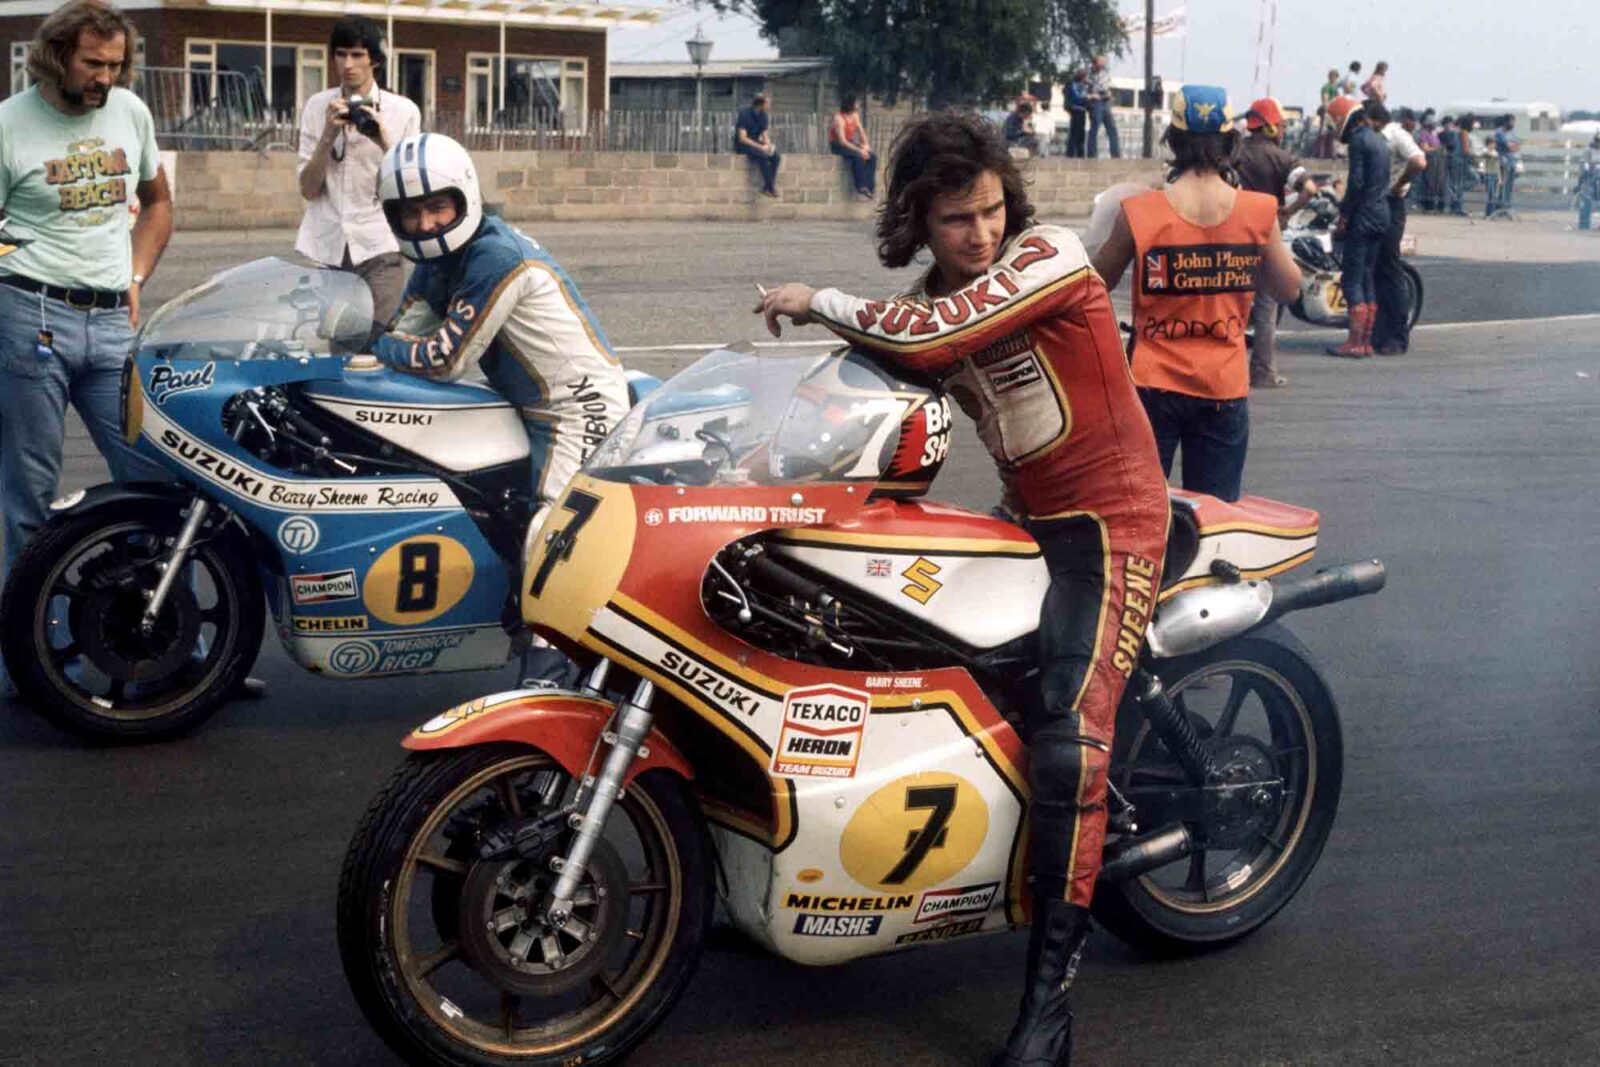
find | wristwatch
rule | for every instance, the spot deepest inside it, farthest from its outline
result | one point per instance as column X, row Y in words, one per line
column 138, row 279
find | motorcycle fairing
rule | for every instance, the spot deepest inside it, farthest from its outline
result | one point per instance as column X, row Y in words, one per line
column 1259, row 536
column 565, row 725
column 426, row 592
column 622, row 571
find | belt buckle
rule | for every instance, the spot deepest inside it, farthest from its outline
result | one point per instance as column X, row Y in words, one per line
column 93, row 301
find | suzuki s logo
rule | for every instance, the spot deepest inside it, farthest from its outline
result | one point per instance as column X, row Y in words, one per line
column 923, row 583
column 298, row 534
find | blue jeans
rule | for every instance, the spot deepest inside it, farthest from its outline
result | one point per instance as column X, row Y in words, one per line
column 1585, row 209
column 85, row 369
column 1100, row 115
column 1491, row 185
column 863, row 172
column 1360, row 265
column 767, row 165
column 1214, row 435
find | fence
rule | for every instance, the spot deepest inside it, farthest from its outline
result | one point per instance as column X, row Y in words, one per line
column 195, row 110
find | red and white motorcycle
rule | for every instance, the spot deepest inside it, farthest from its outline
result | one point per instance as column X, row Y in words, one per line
column 801, row 693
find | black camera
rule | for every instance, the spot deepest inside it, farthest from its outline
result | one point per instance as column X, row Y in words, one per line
column 361, row 116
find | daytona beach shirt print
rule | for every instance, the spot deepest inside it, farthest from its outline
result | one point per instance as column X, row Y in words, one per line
column 69, row 182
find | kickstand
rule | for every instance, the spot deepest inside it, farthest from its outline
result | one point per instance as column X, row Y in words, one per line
column 1120, row 814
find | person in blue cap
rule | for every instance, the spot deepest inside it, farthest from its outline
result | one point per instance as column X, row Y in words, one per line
column 1200, row 248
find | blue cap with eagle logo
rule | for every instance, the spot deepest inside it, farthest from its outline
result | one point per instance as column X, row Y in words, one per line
column 1202, row 109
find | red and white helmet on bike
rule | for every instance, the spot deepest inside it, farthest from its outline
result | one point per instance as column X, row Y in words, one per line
column 851, row 418
column 425, row 165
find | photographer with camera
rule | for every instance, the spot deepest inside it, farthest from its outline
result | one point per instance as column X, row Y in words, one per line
column 344, row 133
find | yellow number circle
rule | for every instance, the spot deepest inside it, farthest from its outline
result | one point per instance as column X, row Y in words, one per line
column 917, row 832
column 418, row 580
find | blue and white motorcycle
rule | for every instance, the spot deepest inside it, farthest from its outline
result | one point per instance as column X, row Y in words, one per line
column 381, row 515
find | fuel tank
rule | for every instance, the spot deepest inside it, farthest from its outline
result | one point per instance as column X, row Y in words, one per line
column 456, row 425
column 978, row 579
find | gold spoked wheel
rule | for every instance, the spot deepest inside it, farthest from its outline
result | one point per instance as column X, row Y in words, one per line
column 452, row 950
column 1270, row 725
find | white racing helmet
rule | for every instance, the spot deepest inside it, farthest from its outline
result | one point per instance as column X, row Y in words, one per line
column 425, row 165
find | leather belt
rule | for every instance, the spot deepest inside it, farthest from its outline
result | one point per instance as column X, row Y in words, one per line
column 80, row 299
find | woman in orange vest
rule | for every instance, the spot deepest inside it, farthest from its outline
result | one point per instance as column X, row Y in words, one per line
column 1200, row 247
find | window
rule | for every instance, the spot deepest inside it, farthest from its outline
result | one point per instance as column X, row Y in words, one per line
column 19, row 67
column 233, row 75
column 412, row 78
column 540, row 92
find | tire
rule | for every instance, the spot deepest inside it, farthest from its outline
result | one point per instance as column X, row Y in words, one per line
column 1166, row 910
column 395, row 939
column 106, row 683
column 1414, row 292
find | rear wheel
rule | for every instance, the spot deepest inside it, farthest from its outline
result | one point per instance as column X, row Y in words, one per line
column 1266, row 716
column 449, row 954
column 72, row 614
column 1413, row 292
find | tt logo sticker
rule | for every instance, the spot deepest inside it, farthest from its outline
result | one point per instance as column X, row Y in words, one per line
column 921, row 576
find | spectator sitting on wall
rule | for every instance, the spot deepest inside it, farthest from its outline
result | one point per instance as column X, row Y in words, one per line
column 344, row 132
column 1348, row 86
column 1019, row 126
column 847, row 139
column 750, row 138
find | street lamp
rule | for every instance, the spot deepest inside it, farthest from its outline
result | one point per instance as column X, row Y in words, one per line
column 699, row 52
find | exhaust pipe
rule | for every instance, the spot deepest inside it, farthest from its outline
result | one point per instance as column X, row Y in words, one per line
column 1325, row 587
column 1131, row 857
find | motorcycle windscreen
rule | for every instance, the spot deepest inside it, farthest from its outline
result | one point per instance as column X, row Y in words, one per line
column 299, row 309
column 739, row 418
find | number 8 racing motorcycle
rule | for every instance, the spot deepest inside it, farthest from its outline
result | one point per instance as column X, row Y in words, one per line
column 381, row 516
column 801, row 690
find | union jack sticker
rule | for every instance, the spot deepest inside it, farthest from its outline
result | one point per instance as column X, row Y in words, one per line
column 1155, row 272
column 879, row 568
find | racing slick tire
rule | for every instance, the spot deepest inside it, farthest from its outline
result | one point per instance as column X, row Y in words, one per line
column 1283, row 725
column 69, row 623
column 441, row 986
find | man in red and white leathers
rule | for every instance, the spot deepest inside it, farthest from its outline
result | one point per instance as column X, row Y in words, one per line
column 1022, row 331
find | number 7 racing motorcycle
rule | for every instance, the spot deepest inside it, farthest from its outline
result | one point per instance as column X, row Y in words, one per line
column 801, row 690
column 381, row 515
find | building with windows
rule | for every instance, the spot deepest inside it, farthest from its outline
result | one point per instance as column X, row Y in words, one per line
column 468, row 64
column 799, row 83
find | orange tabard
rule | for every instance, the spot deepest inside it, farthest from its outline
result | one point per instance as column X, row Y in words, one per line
column 1192, row 290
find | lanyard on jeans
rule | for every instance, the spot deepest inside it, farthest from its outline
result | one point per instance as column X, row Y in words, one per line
column 44, row 346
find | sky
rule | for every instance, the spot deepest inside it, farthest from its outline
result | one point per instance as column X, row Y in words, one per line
column 1439, row 51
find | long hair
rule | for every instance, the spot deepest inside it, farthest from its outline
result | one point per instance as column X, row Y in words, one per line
column 357, row 31
column 943, row 152
column 1216, row 152
column 57, row 40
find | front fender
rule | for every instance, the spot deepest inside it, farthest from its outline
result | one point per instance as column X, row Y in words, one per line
column 112, row 494
column 559, row 722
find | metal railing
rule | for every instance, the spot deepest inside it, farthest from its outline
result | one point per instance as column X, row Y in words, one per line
column 195, row 110
column 710, row 132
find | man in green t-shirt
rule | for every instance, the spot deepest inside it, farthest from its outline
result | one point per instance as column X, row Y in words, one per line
column 1330, row 90
column 77, row 150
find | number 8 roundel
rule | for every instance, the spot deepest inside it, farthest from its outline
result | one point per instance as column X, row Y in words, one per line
column 418, row 580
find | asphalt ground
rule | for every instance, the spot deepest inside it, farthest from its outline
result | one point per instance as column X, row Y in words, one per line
column 173, row 903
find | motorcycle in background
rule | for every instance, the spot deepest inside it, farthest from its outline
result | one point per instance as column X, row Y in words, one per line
column 802, row 691
column 1321, row 302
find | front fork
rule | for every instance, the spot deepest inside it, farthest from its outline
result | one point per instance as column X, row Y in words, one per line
column 632, row 725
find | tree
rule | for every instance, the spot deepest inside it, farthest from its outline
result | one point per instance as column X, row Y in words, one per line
column 939, row 52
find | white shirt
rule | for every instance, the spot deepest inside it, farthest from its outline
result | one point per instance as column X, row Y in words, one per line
column 347, row 212
column 1402, row 150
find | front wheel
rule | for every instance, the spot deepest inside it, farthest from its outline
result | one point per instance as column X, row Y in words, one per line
column 72, row 614
column 1266, row 716
column 1413, row 292
column 448, row 951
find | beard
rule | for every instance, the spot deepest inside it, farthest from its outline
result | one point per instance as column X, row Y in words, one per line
column 89, row 96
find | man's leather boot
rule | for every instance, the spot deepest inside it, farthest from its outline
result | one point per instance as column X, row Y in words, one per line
column 1043, row 1034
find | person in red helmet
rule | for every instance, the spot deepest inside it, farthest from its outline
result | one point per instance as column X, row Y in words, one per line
column 1265, row 167
column 1363, row 221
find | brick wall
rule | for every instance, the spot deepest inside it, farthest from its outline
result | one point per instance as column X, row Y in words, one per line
column 247, row 190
